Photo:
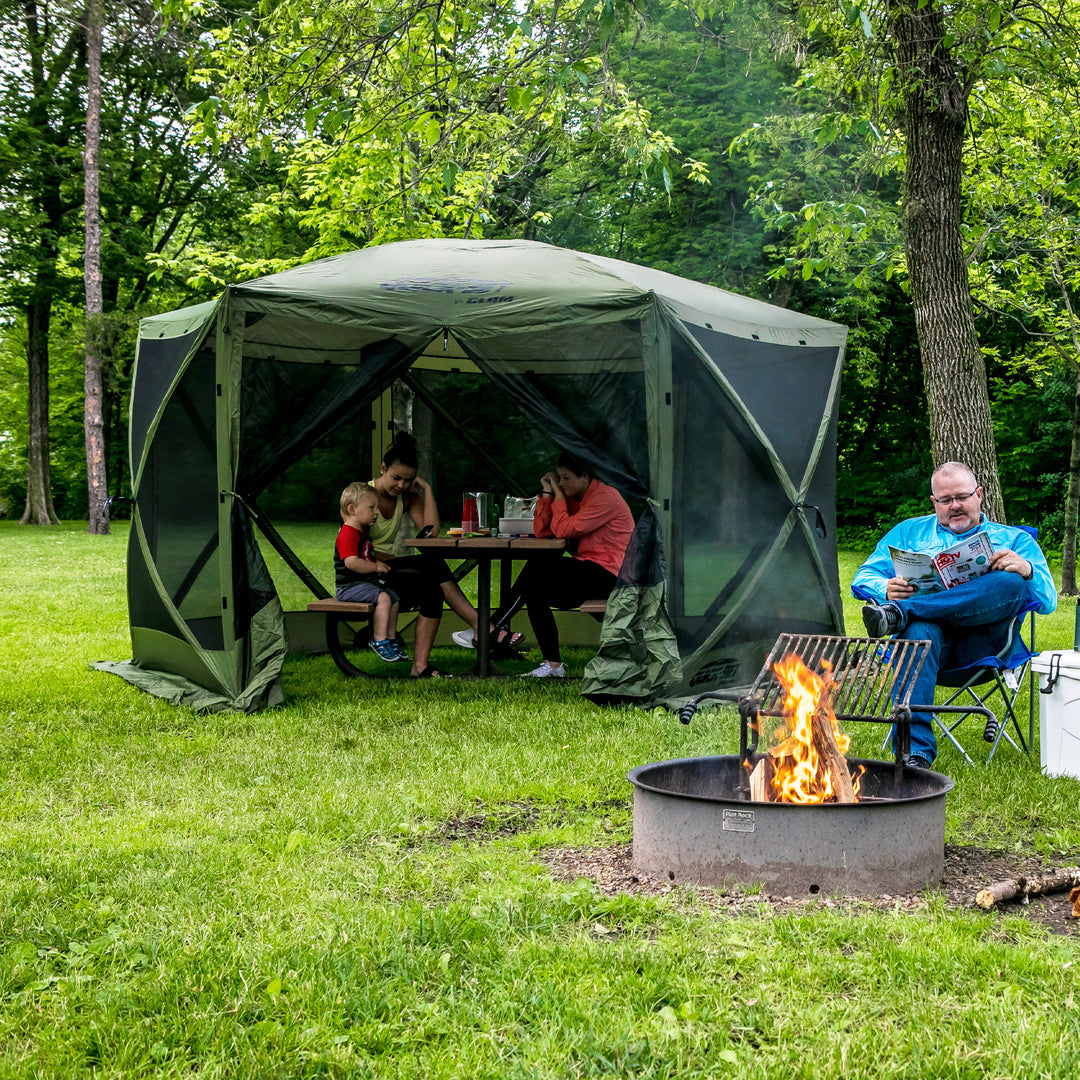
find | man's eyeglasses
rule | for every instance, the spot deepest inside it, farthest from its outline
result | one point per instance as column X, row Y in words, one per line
column 945, row 500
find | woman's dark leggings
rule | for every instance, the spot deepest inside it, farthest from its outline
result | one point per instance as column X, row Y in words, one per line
column 417, row 580
column 552, row 582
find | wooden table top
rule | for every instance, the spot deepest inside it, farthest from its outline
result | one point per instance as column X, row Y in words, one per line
column 522, row 544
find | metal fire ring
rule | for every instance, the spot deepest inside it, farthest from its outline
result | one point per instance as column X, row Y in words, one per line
column 691, row 825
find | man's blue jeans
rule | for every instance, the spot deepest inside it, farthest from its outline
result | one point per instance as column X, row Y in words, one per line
column 963, row 624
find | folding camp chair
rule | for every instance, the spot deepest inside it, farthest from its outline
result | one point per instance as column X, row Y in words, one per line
column 976, row 685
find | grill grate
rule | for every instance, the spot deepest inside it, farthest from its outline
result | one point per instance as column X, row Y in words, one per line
column 872, row 679
column 872, row 682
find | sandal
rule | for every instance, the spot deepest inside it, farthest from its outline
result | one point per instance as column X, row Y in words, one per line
column 432, row 672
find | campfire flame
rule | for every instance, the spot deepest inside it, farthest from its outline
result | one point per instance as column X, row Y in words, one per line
column 806, row 761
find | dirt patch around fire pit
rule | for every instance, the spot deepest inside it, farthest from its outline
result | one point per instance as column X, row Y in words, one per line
column 967, row 869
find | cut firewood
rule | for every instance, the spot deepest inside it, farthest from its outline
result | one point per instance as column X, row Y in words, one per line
column 1074, row 899
column 778, row 759
column 761, row 778
column 835, row 762
column 1055, row 881
column 758, row 782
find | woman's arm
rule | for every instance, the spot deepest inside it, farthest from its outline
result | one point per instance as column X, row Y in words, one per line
column 597, row 510
column 542, row 511
column 421, row 507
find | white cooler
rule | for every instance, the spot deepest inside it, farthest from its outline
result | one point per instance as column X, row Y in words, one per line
column 1059, row 712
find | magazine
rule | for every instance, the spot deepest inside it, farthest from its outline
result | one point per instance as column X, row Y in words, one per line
column 968, row 559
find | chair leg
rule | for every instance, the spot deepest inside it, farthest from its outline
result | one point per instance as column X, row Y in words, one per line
column 947, row 731
column 998, row 726
column 1008, row 699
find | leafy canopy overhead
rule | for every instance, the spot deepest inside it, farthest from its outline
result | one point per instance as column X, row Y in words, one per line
column 400, row 120
column 832, row 163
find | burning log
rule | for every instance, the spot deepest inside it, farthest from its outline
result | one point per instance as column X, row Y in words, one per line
column 1055, row 881
column 808, row 765
column 761, row 780
column 835, row 764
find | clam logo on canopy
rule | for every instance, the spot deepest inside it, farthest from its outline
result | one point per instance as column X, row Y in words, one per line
column 473, row 292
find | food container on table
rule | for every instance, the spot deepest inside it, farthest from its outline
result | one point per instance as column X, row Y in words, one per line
column 517, row 519
column 515, row 526
column 517, row 506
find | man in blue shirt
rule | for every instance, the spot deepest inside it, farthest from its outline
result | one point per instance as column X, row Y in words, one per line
column 967, row 622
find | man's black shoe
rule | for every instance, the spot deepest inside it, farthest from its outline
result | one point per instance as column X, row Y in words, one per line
column 880, row 620
column 917, row 762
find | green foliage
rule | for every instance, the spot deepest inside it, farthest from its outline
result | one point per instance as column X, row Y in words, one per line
column 67, row 455
column 700, row 95
column 398, row 122
column 884, row 460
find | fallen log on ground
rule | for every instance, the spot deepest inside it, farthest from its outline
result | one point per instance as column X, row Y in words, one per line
column 1025, row 887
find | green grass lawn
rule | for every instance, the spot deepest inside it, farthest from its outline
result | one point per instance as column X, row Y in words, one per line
column 283, row 894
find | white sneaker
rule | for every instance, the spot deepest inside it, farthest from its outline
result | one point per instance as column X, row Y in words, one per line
column 464, row 638
column 547, row 671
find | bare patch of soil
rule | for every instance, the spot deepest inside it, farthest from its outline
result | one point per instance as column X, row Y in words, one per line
column 510, row 819
column 967, row 869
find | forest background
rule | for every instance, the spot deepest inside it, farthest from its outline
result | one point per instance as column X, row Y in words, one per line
column 760, row 149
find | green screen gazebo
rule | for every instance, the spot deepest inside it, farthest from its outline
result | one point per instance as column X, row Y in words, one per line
column 714, row 413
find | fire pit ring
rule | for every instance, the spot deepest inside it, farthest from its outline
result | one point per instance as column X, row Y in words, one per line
column 691, row 824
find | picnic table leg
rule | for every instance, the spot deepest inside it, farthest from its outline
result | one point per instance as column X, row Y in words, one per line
column 483, row 617
column 333, row 643
column 483, row 668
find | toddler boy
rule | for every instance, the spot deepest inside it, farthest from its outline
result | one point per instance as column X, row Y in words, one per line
column 357, row 571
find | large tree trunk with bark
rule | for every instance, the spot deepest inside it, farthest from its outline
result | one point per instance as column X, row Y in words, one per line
column 1072, row 504
column 954, row 372
column 93, row 391
column 39, row 504
column 1072, row 498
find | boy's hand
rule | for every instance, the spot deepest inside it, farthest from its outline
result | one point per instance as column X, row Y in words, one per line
column 381, row 567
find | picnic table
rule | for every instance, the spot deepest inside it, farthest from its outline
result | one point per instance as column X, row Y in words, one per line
column 487, row 550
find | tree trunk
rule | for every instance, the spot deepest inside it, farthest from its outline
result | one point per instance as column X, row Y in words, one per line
column 39, row 505
column 1072, row 504
column 954, row 372
column 93, row 392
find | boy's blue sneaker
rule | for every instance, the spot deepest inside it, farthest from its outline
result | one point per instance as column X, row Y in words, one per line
column 399, row 652
column 386, row 649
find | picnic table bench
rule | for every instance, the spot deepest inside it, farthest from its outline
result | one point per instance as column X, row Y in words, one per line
column 337, row 612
